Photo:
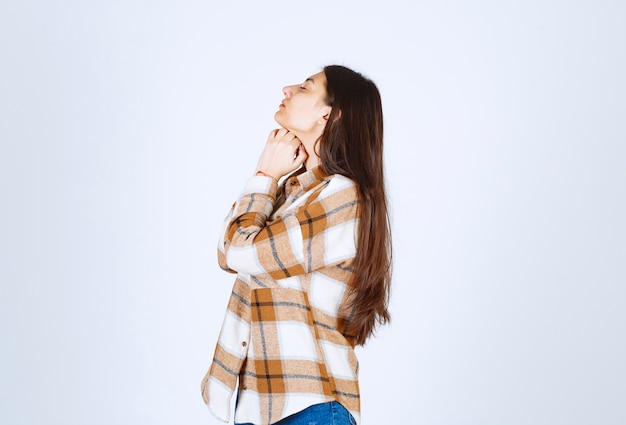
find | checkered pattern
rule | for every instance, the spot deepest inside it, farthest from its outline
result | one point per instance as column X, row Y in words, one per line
column 283, row 335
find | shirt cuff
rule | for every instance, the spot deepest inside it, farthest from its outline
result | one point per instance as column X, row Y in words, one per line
column 261, row 184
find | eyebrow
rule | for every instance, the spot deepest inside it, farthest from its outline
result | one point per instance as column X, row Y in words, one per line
column 310, row 79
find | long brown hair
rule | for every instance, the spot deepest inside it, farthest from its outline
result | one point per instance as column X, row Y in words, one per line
column 352, row 145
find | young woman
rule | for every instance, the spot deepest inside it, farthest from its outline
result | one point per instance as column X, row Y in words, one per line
column 312, row 257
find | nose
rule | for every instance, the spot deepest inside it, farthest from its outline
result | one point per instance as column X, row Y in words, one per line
column 287, row 91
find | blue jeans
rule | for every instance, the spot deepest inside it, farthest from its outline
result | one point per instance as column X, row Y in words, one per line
column 331, row 413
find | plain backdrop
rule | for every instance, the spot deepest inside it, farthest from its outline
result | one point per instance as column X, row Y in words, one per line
column 128, row 128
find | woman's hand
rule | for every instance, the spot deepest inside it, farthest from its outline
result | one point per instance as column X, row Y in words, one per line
column 283, row 153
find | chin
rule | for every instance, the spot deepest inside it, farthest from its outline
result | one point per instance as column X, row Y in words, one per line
column 278, row 119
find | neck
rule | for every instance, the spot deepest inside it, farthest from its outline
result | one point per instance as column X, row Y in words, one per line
column 309, row 144
column 312, row 161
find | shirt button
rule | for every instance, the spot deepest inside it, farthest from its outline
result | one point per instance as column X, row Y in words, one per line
column 243, row 344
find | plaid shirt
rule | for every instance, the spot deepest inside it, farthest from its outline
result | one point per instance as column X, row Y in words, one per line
column 283, row 334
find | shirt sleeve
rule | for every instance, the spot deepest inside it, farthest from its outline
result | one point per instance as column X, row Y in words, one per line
column 314, row 235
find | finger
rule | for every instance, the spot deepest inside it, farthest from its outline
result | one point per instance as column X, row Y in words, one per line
column 273, row 133
column 290, row 137
column 284, row 135
column 300, row 155
column 276, row 134
column 303, row 149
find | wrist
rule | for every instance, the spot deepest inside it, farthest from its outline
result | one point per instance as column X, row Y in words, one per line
column 261, row 173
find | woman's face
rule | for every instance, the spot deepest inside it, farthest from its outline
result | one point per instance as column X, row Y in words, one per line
column 304, row 111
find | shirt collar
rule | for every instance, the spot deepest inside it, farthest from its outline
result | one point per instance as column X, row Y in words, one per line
column 309, row 178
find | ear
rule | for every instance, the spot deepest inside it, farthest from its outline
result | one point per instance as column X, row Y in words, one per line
column 326, row 110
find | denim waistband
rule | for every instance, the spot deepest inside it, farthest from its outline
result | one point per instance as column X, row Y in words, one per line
column 330, row 413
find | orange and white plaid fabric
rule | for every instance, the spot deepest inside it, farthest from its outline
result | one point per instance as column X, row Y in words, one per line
column 283, row 336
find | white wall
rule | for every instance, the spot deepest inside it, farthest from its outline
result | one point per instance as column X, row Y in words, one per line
column 128, row 127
